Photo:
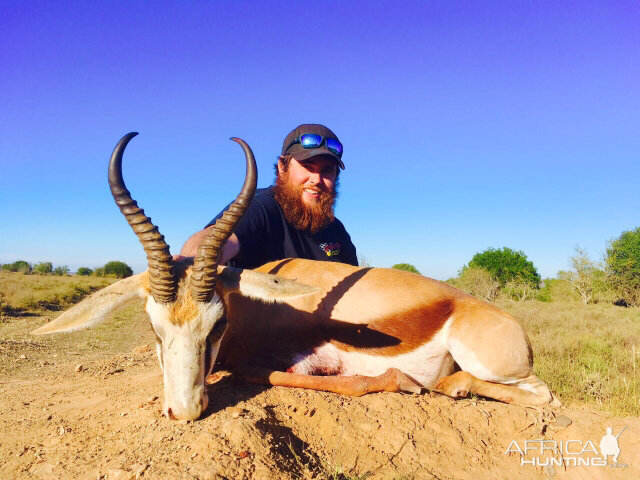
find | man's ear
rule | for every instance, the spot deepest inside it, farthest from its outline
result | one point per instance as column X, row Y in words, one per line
column 280, row 168
column 262, row 286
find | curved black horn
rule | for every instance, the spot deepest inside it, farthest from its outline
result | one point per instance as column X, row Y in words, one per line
column 205, row 264
column 161, row 274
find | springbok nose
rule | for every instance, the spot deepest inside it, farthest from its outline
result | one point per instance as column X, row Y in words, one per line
column 192, row 411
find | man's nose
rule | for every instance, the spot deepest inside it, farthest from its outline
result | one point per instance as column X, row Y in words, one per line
column 314, row 178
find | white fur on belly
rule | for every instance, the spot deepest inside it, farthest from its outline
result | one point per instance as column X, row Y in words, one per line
column 425, row 364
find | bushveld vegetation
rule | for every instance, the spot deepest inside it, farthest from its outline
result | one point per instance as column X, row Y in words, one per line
column 113, row 269
column 407, row 267
column 20, row 294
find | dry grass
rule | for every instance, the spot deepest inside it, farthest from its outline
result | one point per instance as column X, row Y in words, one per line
column 21, row 293
column 588, row 354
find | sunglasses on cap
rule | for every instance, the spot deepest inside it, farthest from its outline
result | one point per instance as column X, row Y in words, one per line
column 312, row 140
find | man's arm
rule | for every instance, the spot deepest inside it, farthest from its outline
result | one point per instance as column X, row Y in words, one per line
column 230, row 249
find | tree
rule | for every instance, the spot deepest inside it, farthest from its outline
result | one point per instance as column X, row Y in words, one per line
column 98, row 272
column 588, row 278
column 520, row 289
column 62, row 270
column 84, row 271
column 478, row 282
column 407, row 267
column 363, row 261
column 18, row 266
column 43, row 268
column 623, row 265
column 505, row 264
column 118, row 269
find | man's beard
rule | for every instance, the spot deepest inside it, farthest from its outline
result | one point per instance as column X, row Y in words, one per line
column 311, row 218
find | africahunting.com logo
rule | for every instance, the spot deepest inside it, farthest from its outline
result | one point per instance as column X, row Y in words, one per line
column 577, row 453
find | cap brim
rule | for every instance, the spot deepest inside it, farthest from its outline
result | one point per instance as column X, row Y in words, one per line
column 306, row 153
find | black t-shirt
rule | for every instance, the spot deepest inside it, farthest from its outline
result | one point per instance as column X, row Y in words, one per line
column 265, row 235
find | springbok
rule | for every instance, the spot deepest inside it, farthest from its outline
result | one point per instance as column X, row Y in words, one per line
column 302, row 323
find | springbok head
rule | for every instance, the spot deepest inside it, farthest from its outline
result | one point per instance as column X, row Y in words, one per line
column 184, row 299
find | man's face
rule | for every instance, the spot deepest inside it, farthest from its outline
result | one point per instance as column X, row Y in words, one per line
column 315, row 176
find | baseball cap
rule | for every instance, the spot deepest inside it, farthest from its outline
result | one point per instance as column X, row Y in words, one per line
column 300, row 153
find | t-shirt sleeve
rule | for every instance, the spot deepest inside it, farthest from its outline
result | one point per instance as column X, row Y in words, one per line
column 349, row 254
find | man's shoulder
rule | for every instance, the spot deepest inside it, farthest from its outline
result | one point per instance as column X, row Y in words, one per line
column 337, row 225
column 265, row 197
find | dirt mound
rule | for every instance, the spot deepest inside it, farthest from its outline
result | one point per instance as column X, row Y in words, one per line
column 97, row 414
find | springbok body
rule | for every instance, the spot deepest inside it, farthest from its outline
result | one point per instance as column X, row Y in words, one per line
column 301, row 323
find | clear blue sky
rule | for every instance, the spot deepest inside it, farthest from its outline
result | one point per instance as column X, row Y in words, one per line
column 466, row 124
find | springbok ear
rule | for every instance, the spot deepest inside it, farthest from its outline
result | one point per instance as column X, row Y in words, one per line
column 95, row 308
column 262, row 286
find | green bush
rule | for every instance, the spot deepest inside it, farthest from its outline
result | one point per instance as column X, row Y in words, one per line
column 623, row 265
column 18, row 266
column 63, row 270
column 118, row 269
column 505, row 264
column 84, row 271
column 43, row 268
column 545, row 292
column 407, row 267
column 98, row 272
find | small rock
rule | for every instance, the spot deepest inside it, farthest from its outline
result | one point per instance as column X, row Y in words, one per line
column 61, row 431
column 79, row 368
column 49, row 417
column 119, row 474
column 562, row 422
column 141, row 349
column 23, row 357
column 152, row 399
column 235, row 415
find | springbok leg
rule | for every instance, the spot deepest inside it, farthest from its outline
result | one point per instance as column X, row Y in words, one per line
column 460, row 384
column 393, row 380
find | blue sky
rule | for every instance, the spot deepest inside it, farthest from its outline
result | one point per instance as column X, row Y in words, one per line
column 466, row 125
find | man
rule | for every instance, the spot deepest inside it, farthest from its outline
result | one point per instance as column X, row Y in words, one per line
column 294, row 217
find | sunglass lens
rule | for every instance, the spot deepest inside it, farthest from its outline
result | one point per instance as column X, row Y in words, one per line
column 311, row 140
column 335, row 146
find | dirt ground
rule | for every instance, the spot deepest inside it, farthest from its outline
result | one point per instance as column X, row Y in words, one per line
column 88, row 405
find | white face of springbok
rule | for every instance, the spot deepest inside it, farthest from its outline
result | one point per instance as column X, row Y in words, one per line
column 187, row 343
column 186, row 312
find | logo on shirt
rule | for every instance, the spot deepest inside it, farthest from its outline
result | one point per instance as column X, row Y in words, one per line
column 331, row 249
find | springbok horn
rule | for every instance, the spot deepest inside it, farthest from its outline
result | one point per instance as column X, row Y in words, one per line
column 161, row 274
column 205, row 264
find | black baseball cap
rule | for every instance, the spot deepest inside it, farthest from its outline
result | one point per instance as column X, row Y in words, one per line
column 300, row 153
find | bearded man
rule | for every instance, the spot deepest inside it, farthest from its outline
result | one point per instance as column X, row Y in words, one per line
column 294, row 217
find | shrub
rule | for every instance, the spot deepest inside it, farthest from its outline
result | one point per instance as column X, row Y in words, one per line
column 18, row 266
column 407, row 267
column 63, row 270
column 623, row 265
column 119, row 269
column 84, row 271
column 505, row 264
column 478, row 282
column 43, row 268
column 520, row 289
column 98, row 272
column 588, row 278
